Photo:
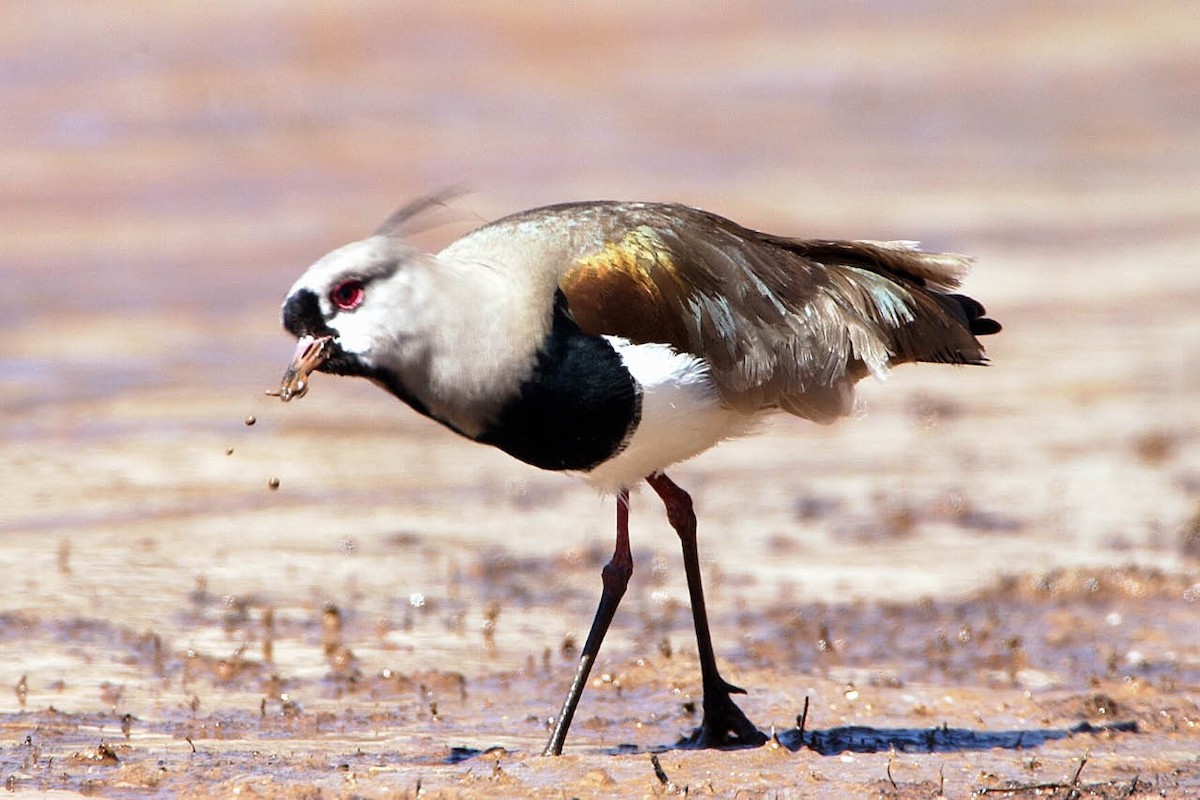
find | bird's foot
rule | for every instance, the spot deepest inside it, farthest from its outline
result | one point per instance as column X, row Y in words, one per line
column 725, row 726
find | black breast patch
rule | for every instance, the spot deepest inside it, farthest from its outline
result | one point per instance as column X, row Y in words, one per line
column 578, row 408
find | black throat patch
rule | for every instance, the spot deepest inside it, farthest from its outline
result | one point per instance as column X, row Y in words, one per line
column 578, row 408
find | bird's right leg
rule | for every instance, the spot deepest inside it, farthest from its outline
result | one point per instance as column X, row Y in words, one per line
column 724, row 724
column 615, row 578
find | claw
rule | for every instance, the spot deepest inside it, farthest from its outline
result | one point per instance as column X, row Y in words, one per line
column 724, row 726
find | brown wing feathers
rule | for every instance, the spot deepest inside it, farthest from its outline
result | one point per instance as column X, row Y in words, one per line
column 783, row 322
column 902, row 262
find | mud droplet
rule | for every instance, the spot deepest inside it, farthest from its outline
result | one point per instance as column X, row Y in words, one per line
column 331, row 628
column 64, row 557
column 273, row 483
column 491, row 612
column 250, row 420
column 228, row 451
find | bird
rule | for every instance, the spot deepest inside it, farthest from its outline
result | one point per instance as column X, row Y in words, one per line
column 613, row 340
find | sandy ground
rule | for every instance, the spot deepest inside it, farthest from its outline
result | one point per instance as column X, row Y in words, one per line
column 987, row 584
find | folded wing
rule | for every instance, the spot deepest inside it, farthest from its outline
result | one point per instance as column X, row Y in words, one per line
column 787, row 323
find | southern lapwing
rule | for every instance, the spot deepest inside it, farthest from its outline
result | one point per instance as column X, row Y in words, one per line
column 613, row 340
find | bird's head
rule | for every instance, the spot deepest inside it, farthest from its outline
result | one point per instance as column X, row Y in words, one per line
column 363, row 309
column 453, row 334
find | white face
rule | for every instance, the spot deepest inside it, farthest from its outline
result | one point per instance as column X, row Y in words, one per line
column 371, row 296
column 457, row 335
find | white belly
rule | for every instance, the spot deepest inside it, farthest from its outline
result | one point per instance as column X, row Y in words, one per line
column 682, row 415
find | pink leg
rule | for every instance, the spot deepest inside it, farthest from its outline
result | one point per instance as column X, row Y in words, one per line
column 615, row 578
column 724, row 724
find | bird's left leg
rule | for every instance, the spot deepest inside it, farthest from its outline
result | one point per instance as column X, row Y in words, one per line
column 615, row 579
column 724, row 724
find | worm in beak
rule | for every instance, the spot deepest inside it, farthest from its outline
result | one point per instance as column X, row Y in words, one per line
column 310, row 354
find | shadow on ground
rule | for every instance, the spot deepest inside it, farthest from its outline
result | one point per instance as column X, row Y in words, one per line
column 865, row 739
column 944, row 739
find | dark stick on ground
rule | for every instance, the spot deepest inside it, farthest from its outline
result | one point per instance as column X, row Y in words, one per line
column 1023, row 788
column 802, row 720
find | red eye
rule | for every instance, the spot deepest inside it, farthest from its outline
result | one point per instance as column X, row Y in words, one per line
column 347, row 295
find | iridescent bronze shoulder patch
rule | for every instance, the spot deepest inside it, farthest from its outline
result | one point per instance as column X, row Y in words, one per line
column 628, row 288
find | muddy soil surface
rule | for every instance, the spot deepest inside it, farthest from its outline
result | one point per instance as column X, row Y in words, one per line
column 988, row 583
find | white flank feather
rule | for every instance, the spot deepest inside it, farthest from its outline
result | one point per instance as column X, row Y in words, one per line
column 682, row 415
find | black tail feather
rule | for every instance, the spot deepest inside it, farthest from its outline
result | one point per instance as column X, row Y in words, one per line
column 973, row 315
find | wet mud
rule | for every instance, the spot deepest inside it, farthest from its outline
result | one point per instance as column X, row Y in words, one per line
column 1006, row 688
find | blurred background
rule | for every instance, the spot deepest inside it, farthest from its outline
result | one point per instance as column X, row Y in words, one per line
column 169, row 168
column 163, row 154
